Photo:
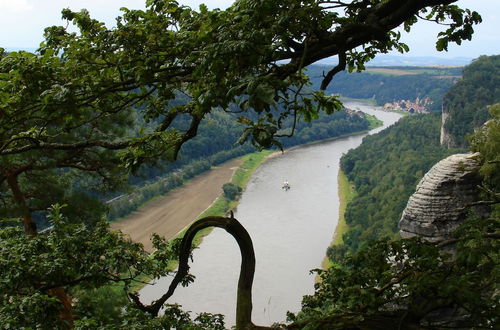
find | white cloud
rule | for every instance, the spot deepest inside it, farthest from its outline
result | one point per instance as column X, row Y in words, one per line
column 15, row 5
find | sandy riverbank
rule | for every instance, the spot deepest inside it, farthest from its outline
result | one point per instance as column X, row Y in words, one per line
column 167, row 215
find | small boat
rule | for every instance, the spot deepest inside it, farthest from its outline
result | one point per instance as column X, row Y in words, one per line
column 286, row 186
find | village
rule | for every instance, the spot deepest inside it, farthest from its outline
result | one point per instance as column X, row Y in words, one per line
column 417, row 106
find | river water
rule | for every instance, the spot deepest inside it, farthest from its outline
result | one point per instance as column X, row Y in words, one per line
column 290, row 231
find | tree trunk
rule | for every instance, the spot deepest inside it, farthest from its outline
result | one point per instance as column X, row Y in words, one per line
column 29, row 225
column 30, row 230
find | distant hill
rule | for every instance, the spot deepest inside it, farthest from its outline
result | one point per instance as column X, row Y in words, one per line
column 389, row 84
column 398, row 60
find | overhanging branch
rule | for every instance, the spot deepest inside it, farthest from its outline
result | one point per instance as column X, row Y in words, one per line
column 340, row 67
column 40, row 145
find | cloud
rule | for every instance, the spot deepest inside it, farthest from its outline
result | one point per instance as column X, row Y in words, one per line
column 14, row 6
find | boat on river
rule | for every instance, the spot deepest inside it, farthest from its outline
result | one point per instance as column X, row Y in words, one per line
column 286, row 186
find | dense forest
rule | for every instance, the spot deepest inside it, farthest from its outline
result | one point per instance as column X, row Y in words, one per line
column 407, row 84
column 385, row 170
column 467, row 101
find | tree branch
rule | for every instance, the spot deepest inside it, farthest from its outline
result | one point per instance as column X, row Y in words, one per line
column 39, row 145
column 244, row 297
column 340, row 67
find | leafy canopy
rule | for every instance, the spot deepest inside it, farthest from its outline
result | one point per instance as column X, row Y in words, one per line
column 411, row 284
column 76, row 93
column 67, row 111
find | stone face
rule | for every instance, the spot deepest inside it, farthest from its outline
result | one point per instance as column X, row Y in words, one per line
column 446, row 139
column 437, row 207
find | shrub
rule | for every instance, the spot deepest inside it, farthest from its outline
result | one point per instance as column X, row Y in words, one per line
column 231, row 191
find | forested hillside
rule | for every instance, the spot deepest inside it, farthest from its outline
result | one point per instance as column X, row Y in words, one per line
column 385, row 170
column 386, row 167
column 466, row 102
column 391, row 84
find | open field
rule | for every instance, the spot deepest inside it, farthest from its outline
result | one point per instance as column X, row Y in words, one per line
column 167, row 215
column 437, row 71
column 389, row 71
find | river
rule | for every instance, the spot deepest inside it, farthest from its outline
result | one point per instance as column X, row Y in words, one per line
column 290, row 231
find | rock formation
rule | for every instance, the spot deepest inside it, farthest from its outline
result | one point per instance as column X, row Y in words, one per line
column 446, row 139
column 438, row 205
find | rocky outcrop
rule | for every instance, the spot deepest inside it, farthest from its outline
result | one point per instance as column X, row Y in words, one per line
column 446, row 139
column 438, row 205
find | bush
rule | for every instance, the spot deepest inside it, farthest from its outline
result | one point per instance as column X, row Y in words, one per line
column 231, row 191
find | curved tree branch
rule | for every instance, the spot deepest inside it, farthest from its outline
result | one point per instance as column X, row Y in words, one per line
column 244, row 299
column 371, row 24
column 340, row 67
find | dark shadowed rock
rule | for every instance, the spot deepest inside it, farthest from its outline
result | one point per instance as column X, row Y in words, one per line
column 438, row 205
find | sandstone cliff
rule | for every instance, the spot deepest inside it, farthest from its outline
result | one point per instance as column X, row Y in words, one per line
column 437, row 207
column 446, row 139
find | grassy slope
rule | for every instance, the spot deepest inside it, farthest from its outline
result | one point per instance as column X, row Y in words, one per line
column 346, row 194
column 240, row 178
column 374, row 121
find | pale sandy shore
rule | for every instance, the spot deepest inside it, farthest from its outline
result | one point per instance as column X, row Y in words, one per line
column 169, row 214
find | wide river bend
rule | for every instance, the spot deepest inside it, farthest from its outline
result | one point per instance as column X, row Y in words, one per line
column 290, row 231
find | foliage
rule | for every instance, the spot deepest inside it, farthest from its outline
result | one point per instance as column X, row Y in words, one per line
column 467, row 101
column 172, row 318
column 70, row 254
column 87, row 259
column 231, row 191
column 410, row 283
column 486, row 140
column 70, row 118
column 217, row 58
column 385, row 170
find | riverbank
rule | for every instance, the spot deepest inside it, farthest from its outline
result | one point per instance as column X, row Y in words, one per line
column 346, row 194
column 221, row 206
column 170, row 214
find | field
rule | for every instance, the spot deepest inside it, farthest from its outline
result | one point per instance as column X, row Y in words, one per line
column 169, row 214
column 438, row 71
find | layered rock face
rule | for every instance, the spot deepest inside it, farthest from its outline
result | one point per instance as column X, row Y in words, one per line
column 438, row 205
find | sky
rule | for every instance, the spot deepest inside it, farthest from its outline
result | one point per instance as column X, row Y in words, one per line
column 22, row 23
